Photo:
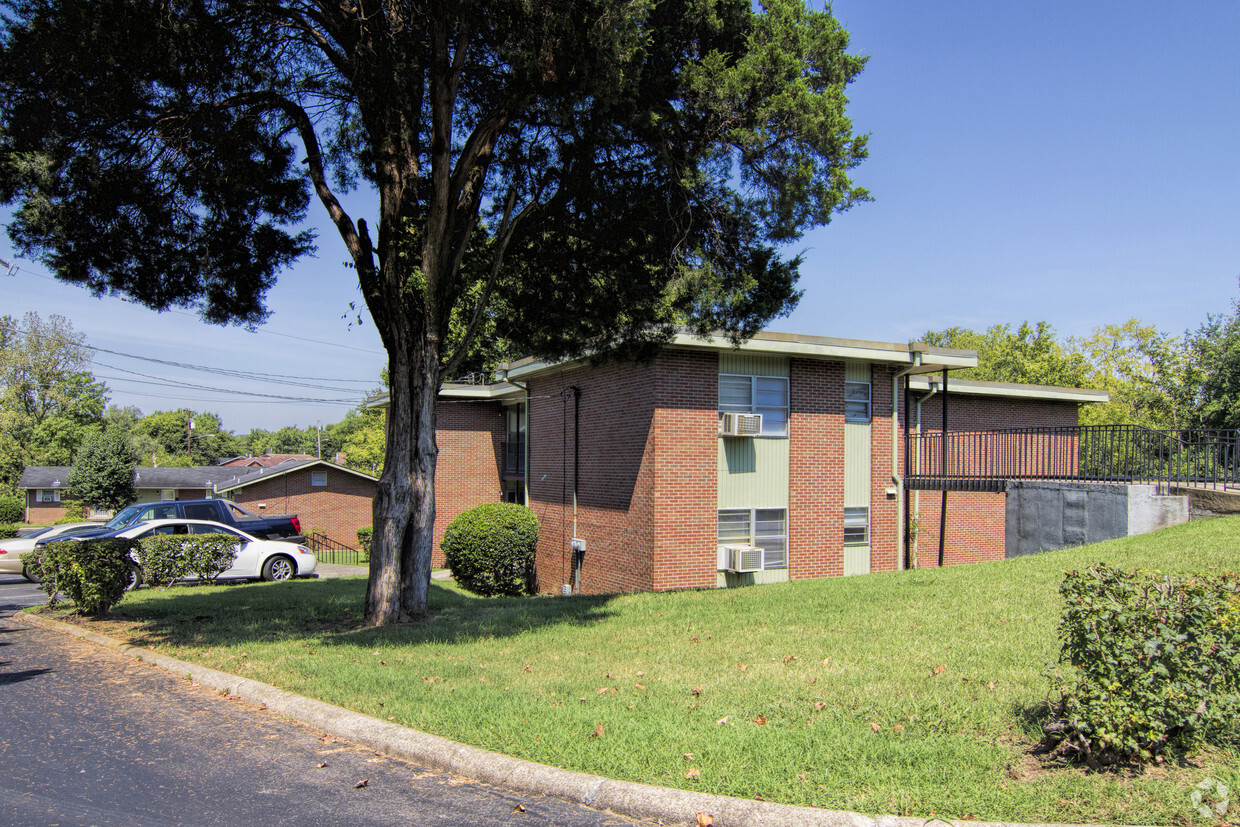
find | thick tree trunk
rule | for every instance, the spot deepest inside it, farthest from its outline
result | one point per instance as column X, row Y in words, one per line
column 404, row 506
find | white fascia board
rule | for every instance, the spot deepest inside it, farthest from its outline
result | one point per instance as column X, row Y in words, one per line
column 449, row 390
column 785, row 344
column 1013, row 390
column 821, row 347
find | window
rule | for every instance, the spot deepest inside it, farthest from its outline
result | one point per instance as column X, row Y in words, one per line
column 857, row 526
column 213, row 529
column 766, row 395
column 167, row 494
column 201, row 511
column 318, row 479
column 857, row 401
column 514, row 492
column 47, row 495
column 159, row 512
column 766, row 528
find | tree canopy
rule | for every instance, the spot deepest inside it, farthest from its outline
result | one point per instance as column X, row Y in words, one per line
column 102, row 475
column 568, row 178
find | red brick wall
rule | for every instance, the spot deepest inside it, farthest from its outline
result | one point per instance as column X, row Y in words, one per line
column 816, row 469
column 469, row 435
column 44, row 513
column 976, row 520
column 975, row 527
column 884, row 511
column 686, row 437
column 339, row 509
column 616, row 466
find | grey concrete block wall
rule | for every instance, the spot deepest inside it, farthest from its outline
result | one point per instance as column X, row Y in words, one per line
column 1043, row 516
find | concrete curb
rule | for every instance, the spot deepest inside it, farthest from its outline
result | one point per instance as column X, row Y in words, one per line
column 667, row 806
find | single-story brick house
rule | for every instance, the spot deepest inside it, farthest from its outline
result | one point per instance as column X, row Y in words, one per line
column 326, row 496
column 46, row 488
column 787, row 451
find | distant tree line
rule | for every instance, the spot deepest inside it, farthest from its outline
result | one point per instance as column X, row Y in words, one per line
column 53, row 410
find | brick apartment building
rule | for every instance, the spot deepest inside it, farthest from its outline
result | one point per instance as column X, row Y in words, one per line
column 637, row 487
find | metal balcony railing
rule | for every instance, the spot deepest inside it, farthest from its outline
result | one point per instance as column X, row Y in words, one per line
column 984, row 460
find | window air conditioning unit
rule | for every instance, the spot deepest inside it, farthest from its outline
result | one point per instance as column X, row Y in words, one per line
column 740, row 424
column 744, row 558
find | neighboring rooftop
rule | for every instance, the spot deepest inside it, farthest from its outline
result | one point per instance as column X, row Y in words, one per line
column 263, row 460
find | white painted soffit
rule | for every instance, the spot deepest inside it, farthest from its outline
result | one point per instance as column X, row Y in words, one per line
column 1013, row 390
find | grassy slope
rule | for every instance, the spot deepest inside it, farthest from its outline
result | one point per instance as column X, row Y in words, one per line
column 827, row 693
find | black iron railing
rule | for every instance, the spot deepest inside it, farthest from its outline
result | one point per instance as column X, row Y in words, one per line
column 327, row 550
column 513, row 453
column 1087, row 453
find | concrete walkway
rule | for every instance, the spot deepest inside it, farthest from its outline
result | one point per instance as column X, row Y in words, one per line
column 659, row 804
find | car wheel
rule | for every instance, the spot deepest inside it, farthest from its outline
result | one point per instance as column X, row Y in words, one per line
column 133, row 578
column 279, row 567
column 26, row 574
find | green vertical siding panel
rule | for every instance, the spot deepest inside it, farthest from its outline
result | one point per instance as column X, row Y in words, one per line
column 753, row 472
column 857, row 469
column 856, row 463
column 857, row 371
column 743, row 363
column 730, row 579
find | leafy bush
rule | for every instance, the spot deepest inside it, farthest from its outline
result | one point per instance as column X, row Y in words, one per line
column 168, row 558
column 12, row 510
column 9, row 530
column 75, row 512
column 363, row 539
column 93, row 573
column 1155, row 664
column 490, row 549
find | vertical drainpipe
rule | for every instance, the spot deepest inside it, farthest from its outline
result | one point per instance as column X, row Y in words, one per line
column 916, row 349
column 578, row 556
column 943, row 470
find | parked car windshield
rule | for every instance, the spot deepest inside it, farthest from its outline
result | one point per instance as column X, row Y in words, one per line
column 122, row 519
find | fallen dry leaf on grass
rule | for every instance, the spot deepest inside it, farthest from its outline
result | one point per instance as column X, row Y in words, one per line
column 598, row 732
column 940, row 669
column 820, row 705
column 722, row 720
column 693, row 772
column 696, row 691
column 874, row 725
column 688, row 756
column 760, row 720
column 789, row 658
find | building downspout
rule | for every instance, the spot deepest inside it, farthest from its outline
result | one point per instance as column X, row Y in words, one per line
column 901, row 512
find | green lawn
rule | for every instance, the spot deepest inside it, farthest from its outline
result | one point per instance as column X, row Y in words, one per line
column 906, row 693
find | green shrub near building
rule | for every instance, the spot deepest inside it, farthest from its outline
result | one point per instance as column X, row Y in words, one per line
column 490, row 549
column 12, row 510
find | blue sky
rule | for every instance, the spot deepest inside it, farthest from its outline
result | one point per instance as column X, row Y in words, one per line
column 1062, row 161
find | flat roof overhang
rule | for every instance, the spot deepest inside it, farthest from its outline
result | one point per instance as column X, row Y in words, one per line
column 919, row 356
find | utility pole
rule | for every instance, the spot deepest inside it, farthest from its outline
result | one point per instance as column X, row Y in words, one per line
column 189, row 426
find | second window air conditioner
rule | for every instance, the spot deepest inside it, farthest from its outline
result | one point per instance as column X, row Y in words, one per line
column 740, row 424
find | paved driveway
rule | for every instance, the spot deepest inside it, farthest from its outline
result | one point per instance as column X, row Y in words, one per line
column 90, row 737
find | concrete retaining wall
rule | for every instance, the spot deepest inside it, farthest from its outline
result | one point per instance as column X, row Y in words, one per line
column 1043, row 516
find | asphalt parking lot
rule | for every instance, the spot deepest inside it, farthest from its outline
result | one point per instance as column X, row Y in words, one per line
column 16, row 593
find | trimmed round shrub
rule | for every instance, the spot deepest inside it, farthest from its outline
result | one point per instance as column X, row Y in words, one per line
column 11, row 510
column 490, row 549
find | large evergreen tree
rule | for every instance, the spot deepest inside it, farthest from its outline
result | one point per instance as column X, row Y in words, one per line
column 102, row 475
column 571, row 177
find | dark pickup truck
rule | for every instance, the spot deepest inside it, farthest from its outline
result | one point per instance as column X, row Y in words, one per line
column 278, row 527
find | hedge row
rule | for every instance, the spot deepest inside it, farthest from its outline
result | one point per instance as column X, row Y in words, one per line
column 95, row 573
column 1155, row 664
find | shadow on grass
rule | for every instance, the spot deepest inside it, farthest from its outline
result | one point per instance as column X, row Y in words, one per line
column 330, row 611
